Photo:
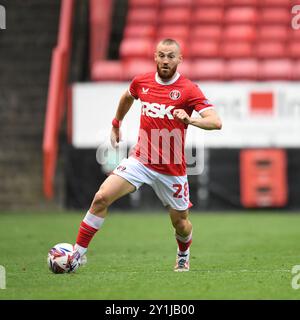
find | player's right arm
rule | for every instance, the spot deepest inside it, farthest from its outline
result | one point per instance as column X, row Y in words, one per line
column 125, row 103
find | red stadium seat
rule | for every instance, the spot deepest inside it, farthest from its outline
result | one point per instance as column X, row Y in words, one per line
column 294, row 50
column 272, row 32
column 143, row 3
column 271, row 49
column 206, row 32
column 240, row 32
column 241, row 49
column 208, row 15
column 296, row 70
column 294, row 35
column 138, row 31
column 142, row 16
column 204, row 49
column 242, row 2
column 209, row 3
column 245, row 15
column 175, row 15
column 274, row 16
column 175, row 3
column 138, row 65
column 136, row 48
column 107, row 71
column 275, row 3
column 281, row 69
column 173, row 31
column 207, row 69
column 243, row 69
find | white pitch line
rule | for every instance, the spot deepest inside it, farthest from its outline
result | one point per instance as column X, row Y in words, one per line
column 204, row 271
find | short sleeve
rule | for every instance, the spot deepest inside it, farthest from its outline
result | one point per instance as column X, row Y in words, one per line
column 133, row 88
column 197, row 100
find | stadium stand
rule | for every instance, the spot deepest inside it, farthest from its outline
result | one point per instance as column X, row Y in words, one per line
column 208, row 69
column 100, row 24
column 242, row 69
column 23, row 90
column 281, row 69
column 296, row 71
column 213, row 32
column 26, row 50
column 231, row 30
column 176, row 3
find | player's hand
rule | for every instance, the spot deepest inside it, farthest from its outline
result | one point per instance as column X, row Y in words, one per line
column 115, row 137
column 182, row 116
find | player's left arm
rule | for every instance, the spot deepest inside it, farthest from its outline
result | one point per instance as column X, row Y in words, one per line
column 209, row 119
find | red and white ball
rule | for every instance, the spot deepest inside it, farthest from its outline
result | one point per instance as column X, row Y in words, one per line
column 60, row 258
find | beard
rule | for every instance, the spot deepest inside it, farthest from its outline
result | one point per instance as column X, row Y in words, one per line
column 166, row 74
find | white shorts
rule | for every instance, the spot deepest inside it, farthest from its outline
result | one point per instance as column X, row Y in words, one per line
column 173, row 191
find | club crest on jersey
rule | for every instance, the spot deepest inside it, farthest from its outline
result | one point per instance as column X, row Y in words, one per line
column 175, row 94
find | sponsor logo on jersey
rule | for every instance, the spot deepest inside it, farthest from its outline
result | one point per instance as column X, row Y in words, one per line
column 121, row 168
column 175, row 94
column 156, row 110
column 144, row 90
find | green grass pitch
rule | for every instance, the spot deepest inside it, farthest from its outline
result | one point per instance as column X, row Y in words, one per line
column 242, row 255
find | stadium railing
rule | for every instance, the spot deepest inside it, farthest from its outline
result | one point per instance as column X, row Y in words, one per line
column 57, row 91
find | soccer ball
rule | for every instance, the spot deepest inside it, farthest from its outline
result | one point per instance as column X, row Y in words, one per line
column 60, row 258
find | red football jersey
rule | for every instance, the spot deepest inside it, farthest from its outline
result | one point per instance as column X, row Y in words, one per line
column 161, row 138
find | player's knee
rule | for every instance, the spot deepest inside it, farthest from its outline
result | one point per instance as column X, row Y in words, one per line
column 100, row 201
column 180, row 224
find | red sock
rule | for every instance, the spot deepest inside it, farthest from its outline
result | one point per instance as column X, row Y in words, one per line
column 85, row 234
column 184, row 242
column 183, row 246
